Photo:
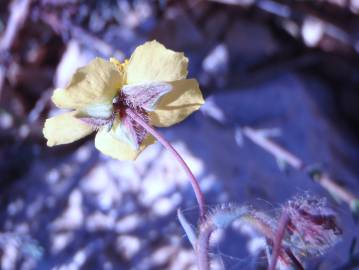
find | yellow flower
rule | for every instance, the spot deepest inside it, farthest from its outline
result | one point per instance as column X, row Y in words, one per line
column 152, row 83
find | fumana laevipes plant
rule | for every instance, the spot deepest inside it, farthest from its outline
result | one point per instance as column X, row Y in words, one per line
column 123, row 102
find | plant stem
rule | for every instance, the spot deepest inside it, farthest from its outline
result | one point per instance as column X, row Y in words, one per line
column 170, row 148
column 202, row 246
column 277, row 245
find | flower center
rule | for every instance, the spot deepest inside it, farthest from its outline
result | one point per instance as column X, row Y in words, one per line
column 121, row 102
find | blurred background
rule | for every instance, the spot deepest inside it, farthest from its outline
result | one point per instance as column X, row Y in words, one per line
column 290, row 67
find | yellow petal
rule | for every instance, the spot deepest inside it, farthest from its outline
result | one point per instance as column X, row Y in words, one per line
column 65, row 128
column 94, row 84
column 118, row 149
column 153, row 62
column 185, row 98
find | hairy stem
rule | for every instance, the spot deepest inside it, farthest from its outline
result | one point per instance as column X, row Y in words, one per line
column 277, row 244
column 202, row 246
column 170, row 148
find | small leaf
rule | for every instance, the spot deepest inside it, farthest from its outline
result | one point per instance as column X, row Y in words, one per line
column 187, row 228
column 146, row 95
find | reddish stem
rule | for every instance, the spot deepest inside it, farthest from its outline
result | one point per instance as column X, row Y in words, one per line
column 202, row 246
column 277, row 245
column 170, row 148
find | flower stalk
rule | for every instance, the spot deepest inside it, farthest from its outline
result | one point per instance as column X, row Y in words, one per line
column 202, row 246
column 277, row 245
column 195, row 185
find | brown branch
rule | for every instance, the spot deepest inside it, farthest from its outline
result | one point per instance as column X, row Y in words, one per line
column 322, row 177
column 81, row 35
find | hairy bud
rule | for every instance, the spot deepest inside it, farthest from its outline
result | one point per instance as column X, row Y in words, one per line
column 312, row 226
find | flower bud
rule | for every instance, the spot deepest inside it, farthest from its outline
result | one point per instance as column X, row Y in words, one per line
column 312, row 226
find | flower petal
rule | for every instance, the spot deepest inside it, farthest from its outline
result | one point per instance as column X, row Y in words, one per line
column 65, row 128
column 94, row 84
column 185, row 98
column 153, row 62
column 118, row 149
column 97, row 110
column 126, row 132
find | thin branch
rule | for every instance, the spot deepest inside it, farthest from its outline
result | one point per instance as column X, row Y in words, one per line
column 283, row 154
column 80, row 35
column 39, row 107
column 170, row 148
column 19, row 10
column 277, row 151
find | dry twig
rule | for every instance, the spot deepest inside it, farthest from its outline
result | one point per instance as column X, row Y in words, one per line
column 322, row 178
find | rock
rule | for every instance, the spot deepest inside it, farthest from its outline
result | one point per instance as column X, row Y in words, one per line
column 178, row 31
column 248, row 42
